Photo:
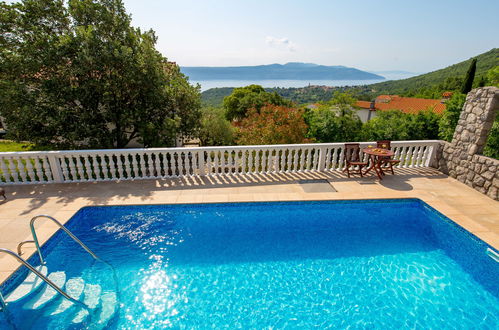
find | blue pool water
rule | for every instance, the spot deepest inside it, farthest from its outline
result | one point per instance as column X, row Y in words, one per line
column 359, row 264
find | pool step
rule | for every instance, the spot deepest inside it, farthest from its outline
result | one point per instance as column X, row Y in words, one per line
column 74, row 288
column 47, row 293
column 109, row 307
column 29, row 285
column 92, row 297
column 39, row 294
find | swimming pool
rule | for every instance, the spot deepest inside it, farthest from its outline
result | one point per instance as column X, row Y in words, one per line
column 364, row 264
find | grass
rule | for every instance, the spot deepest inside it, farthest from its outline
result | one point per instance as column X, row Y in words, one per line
column 6, row 145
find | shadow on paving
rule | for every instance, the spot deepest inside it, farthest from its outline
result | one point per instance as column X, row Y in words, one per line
column 102, row 192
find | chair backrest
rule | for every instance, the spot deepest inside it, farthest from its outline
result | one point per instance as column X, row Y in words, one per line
column 385, row 144
column 352, row 152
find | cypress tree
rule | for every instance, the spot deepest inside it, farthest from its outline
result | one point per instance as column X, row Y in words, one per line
column 468, row 79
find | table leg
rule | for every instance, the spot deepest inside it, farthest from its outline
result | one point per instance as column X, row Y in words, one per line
column 378, row 169
column 372, row 161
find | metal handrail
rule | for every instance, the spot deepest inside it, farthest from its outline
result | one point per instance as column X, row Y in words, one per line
column 37, row 244
column 3, row 304
column 41, row 276
column 19, row 246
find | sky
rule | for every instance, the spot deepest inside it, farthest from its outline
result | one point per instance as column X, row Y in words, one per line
column 416, row 36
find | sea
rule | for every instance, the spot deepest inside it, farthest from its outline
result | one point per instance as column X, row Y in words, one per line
column 208, row 84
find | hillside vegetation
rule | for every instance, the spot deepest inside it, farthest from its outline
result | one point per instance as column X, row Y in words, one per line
column 300, row 95
column 438, row 79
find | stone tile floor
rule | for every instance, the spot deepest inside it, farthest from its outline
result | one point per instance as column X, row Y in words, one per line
column 475, row 212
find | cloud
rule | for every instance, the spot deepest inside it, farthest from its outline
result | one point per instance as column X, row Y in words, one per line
column 280, row 43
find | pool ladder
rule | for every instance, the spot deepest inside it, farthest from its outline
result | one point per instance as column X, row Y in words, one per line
column 493, row 254
column 42, row 261
column 3, row 304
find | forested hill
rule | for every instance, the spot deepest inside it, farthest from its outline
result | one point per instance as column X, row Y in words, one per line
column 294, row 71
column 214, row 96
column 428, row 85
column 434, row 82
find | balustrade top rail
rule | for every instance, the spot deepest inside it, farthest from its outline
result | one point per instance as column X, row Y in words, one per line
column 30, row 167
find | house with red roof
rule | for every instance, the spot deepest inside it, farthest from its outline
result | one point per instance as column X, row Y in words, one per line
column 411, row 105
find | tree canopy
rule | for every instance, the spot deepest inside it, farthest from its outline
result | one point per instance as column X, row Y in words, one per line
column 79, row 75
column 469, row 77
column 215, row 129
column 243, row 99
column 396, row 125
column 334, row 121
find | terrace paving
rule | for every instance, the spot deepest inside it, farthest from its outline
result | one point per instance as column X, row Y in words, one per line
column 475, row 212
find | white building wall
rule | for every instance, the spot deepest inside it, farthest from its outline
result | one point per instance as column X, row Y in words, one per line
column 366, row 114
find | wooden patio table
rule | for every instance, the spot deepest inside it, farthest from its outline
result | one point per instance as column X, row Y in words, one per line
column 376, row 156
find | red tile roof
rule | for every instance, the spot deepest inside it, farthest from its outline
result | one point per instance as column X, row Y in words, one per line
column 386, row 97
column 363, row 104
column 404, row 104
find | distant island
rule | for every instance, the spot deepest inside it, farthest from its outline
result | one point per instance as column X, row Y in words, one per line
column 288, row 71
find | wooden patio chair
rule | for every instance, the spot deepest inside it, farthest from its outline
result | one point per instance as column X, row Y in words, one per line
column 387, row 161
column 352, row 158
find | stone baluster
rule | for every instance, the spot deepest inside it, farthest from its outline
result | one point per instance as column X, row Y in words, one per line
column 5, row 170
column 112, row 166
column 119, row 166
column 134, row 170
column 80, row 169
column 308, row 159
column 37, row 160
column 30, row 173
column 128, row 171
column 96, row 169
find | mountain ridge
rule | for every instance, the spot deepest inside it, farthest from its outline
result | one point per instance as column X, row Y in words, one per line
column 288, row 71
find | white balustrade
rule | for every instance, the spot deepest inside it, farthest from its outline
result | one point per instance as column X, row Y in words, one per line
column 132, row 164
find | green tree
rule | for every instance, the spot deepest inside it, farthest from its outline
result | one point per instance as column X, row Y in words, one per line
column 326, row 125
column 397, row 125
column 426, row 125
column 451, row 115
column 470, row 76
column 242, row 99
column 335, row 121
column 215, row 129
column 81, row 76
column 388, row 125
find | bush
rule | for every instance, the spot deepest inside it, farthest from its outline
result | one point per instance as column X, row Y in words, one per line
column 451, row 115
column 492, row 145
column 273, row 125
column 396, row 125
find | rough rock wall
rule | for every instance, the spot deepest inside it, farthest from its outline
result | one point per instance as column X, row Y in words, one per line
column 461, row 158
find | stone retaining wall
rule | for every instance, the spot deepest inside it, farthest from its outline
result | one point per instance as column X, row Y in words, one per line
column 461, row 158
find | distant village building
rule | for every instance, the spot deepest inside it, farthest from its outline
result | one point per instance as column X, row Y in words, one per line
column 368, row 110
